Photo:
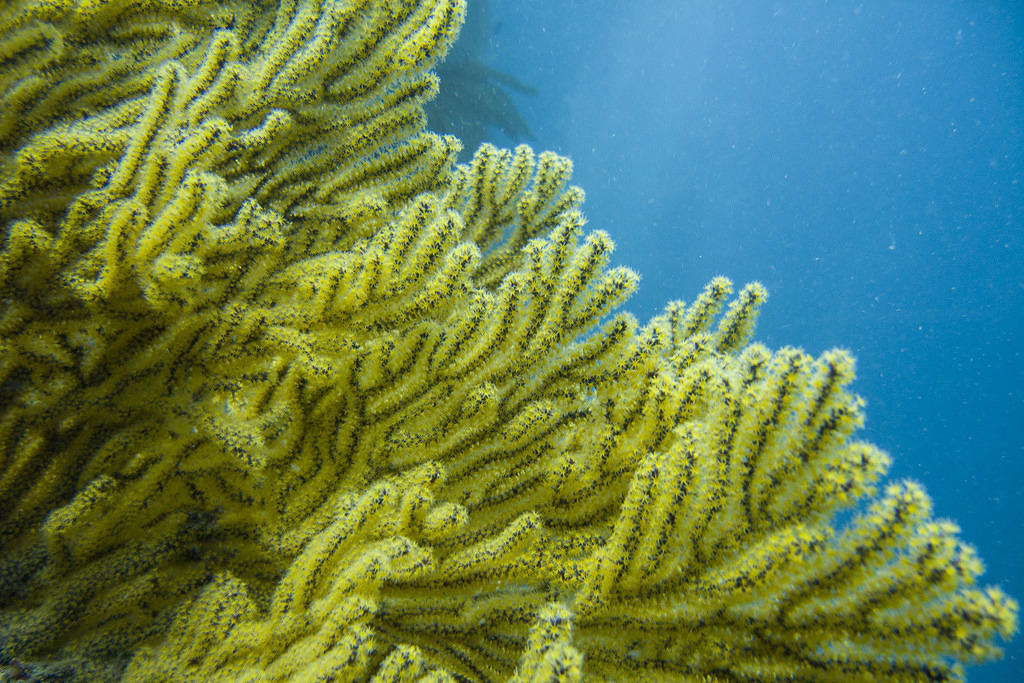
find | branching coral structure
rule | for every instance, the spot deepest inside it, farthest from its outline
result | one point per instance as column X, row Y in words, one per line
column 287, row 394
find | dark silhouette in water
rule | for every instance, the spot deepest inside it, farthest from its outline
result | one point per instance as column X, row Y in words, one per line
column 475, row 98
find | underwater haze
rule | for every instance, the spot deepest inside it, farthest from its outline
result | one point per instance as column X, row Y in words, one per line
column 865, row 161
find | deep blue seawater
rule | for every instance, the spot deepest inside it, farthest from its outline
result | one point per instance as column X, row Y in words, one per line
column 865, row 161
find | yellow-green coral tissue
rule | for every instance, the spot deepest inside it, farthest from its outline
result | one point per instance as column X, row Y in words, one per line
column 286, row 394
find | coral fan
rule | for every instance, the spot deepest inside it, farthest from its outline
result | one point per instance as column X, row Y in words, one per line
column 285, row 393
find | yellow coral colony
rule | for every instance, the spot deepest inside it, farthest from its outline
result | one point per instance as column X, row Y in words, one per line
column 287, row 395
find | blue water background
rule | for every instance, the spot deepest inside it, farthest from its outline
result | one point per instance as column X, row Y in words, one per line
column 864, row 161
